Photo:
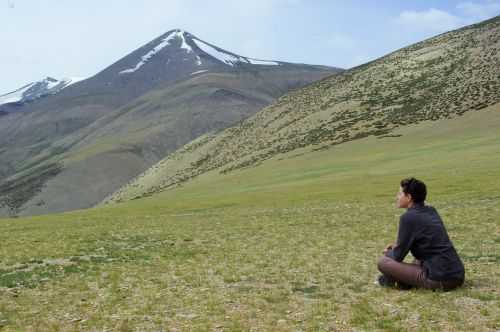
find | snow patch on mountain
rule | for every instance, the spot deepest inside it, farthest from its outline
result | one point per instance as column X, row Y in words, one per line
column 262, row 62
column 72, row 80
column 15, row 96
column 221, row 56
column 199, row 72
column 51, row 83
column 230, row 59
column 184, row 45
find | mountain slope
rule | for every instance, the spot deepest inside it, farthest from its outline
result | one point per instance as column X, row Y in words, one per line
column 71, row 149
column 442, row 77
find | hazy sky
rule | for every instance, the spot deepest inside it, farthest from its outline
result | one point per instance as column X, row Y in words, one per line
column 66, row 38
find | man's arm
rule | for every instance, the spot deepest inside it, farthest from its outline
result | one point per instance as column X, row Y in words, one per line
column 406, row 237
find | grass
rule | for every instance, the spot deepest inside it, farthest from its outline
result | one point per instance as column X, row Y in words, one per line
column 290, row 245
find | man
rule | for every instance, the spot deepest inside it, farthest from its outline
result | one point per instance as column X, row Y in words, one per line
column 421, row 232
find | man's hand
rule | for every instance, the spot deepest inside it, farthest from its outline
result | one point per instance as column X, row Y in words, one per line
column 388, row 248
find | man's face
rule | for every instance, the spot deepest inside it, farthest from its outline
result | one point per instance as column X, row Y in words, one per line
column 403, row 200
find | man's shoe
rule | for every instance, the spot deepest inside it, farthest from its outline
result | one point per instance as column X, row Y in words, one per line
column 385, row 281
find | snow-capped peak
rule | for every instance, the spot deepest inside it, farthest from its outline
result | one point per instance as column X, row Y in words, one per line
column 187, row 42
column 175, row 34
column 35, row 90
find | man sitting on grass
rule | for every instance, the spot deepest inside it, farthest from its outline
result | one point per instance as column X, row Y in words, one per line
column 422, row 232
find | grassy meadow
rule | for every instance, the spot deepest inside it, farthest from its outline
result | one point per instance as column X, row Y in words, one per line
column 289, row 245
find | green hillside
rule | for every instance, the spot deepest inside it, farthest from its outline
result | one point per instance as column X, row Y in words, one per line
column 442, row 77
column 288, row 245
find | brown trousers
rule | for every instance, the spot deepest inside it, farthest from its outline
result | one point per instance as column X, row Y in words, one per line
column 413, row 275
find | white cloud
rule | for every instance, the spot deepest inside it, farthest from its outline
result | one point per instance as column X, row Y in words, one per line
column 436, row 20
column 477, row 11
column 432, row 20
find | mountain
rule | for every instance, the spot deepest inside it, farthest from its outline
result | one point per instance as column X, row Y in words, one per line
column 33, row 91
column 71, row 149
column 442, row 77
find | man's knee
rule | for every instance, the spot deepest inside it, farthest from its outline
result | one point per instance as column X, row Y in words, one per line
column 383, row 263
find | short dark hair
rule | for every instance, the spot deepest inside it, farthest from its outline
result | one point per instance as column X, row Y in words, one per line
column 415, row 188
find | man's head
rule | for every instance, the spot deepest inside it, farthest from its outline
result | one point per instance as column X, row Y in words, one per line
column 412, row 191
